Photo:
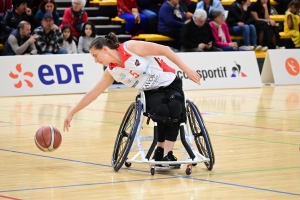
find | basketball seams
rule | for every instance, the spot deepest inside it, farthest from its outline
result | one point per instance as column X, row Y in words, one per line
column 52, row 139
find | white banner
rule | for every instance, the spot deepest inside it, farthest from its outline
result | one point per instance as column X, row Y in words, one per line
column 281, row 67
column 221, row 70
column 48, row 74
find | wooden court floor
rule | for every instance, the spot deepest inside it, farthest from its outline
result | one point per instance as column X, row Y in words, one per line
column 255, row 135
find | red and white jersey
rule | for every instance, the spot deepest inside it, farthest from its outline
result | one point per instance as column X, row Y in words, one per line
column 142, row 73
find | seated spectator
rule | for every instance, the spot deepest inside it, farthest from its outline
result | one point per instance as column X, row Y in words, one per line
column 49, row 37
column 150, row 9
column 128, row 10
column 75, row 16
column 239, row 21
column 197, row 35
column 4, row 6
column 20, row 42
column 266, row 28
column 69, row 43
column 19, row 12
column 47, row 6
column 88, row 35
column 171, row 19
column 221, row 32
column 208, row 5
column 185, row 6
column 4, row 32
column 292, row 22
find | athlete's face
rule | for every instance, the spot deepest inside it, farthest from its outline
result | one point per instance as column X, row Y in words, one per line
column 100, row 56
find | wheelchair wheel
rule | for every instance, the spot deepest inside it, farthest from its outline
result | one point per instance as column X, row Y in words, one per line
column 203, row 123
column 126, row 135
column 200, row 134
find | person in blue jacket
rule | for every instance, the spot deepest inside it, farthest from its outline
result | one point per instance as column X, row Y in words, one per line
column 208, row 5
column 47, row 6
column 171, row 19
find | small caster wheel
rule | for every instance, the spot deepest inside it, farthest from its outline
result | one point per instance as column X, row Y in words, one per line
column 127, row 164
column 194, row 164
column 188, row 170
column 152, row 170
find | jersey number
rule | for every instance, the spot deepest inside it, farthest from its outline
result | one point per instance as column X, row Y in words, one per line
column 135, row 75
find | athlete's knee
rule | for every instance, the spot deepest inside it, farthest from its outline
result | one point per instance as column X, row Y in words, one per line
column 175, row 107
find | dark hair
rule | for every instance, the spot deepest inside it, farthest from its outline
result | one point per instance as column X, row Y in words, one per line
column 214, row 13
column 17, row 3
column 70, row 38
column 294, row 3
column 44, row 2
column 93, row 29
column 261, row 8
column 111, row 41
column 240, row 1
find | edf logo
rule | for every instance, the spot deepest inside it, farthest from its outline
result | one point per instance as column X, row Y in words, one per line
column 46, row 74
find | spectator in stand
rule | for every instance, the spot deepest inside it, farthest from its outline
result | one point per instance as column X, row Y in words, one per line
column 69, row 43
column 197, row 35
column 47, row 6
column 292, row 22
column 239, row 21
column 49, row 37
column 20, row 42
column 4, row 6
column 171, row 19
column 266, row 28
column 150, row 9
column 208, row 5
column 19, row 12
column 185, row 6
column 221, row 32
column 88, row 35
column 75, row 17
column 129, row 11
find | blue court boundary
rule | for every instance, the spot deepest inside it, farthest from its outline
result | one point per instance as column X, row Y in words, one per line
column 117, row 182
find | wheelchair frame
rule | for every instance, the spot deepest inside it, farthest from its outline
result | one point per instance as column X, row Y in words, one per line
column 133, row 120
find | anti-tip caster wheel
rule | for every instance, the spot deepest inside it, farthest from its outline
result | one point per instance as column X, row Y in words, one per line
column 127, row 164
column 188, row 170
column 152, row 170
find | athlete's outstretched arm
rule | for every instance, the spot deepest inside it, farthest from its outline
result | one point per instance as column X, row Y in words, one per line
column 90, row 96
column 152, row 49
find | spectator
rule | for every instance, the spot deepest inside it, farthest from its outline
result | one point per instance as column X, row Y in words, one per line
column 128, row 10
column 266, row 28
column 292, row 22
column 239, row 21
column 88, row 35
column 197, row 35
column 221, row 32
column 69, row 43
column 150, row 9
column 49, row 37
column 185, row 7
column 171, row 19
column 4, row 32
column 75, row 16
column 4, row 6
column 208, row 5
column 20, row 42
column 47, row 6
column 19, row 12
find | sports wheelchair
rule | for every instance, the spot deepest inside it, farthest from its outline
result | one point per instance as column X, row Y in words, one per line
column 129, row 132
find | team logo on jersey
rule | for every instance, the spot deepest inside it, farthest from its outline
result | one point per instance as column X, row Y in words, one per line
column 137, row 62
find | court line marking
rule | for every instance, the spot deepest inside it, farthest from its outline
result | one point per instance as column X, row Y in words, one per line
column 6, row 197
column 20, row 125
column 173, row 176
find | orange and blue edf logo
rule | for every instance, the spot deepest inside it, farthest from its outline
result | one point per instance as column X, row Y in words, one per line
column 19, row 84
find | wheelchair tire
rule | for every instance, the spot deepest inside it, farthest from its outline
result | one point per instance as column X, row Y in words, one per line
column 200, row 134
column 207, row 134
column 126, row 135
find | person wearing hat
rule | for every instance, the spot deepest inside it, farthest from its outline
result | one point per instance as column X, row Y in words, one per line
column 20, row 42
column 49, row 37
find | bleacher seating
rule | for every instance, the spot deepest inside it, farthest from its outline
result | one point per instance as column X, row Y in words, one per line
column 1, row 47
column 153, row 37
column 229, row 2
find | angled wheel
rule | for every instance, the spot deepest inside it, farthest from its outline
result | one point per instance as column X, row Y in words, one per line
column 200, row 134
column 203, row 123
column 126, row 135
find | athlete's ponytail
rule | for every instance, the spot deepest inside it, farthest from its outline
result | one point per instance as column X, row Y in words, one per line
column 110, row 40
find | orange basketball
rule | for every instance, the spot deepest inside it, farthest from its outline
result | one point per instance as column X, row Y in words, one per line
column 47, row 138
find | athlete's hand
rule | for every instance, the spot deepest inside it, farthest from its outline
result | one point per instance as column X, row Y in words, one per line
column 67, row 122
column 194, row 76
